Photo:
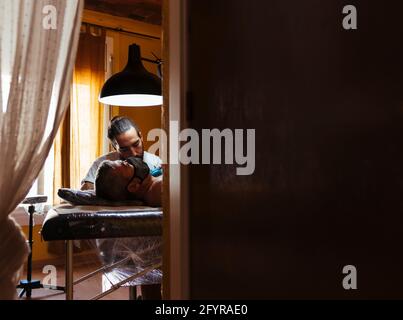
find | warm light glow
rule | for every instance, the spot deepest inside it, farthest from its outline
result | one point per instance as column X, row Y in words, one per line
column 132, row 100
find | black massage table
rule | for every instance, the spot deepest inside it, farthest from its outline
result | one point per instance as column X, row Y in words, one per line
column 67, row 222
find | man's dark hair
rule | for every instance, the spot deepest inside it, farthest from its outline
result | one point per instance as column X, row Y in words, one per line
column 119, row 125
column 108, row 185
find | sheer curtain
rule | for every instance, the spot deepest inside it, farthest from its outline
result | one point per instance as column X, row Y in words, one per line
column 38, row 43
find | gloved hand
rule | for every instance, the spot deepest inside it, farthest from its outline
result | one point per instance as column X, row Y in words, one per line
column 156, row 172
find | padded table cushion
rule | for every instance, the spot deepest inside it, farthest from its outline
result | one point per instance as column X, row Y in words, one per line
column 67, row 222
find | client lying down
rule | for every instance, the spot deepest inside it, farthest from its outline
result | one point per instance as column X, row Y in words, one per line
column 128, row 180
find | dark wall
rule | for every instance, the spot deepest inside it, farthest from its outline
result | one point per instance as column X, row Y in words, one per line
column 327, row 106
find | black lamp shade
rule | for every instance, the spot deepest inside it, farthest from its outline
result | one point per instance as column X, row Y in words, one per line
column 134, row 86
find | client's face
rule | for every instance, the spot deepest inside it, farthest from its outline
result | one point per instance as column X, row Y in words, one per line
column 124, row 170
column 129, row 179
column 124, row 173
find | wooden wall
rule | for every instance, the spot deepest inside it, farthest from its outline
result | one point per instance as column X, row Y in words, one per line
column 327, row 106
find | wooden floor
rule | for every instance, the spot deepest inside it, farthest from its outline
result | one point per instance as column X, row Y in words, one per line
column 82, row 291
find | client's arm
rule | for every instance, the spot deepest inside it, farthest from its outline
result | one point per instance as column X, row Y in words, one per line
column 87, row 186
column 154, row 193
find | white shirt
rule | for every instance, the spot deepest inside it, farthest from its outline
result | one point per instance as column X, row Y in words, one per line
column 153, row 162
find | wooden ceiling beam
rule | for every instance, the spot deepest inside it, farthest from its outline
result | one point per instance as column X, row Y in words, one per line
column 109, row 21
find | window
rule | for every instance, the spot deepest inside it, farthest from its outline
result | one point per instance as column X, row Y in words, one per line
column 43, row 185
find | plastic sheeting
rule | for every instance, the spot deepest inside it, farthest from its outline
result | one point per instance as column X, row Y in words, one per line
column 135, row 255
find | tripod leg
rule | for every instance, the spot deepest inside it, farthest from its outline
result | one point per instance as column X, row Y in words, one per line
column 31, row 211
column 21, row 293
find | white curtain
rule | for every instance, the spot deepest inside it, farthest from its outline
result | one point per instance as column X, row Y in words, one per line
column 38, row 43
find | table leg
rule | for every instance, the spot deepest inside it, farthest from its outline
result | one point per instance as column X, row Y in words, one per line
column 69, row 269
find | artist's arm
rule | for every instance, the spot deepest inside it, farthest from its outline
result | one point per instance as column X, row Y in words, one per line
column 88, row 182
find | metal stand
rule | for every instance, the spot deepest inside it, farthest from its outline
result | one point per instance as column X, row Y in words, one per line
column 29, row 284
